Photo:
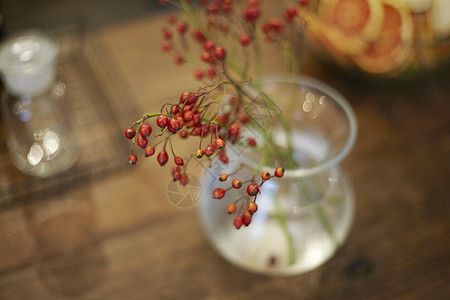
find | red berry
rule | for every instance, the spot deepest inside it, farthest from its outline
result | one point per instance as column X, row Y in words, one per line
column 213, row 9
column 251, row 13
column 234, row 129
column 206, row 57
column 290, row 13
column 188, row 116
column 184, row 133
column 302, row 2
column 209, row 151
column 220, row 53
column 238, row 222
column 252, row 207
column 187, row 108
column 231, row 208
column 145, row 129
column 184, row 96
column 198, row 35
column 171, row 19
column 224, row 159
column 265, row 175
column 175, row 169
column 197, row 131
column 199, row 153
column 251, row 141
column 236, row 183
column 182, row 27
column 197, row 119
column 208, row 45
column 191, row 99
column 252, row 189
column 149, row 151
column 219, row 143
column 174, row 125
column 142, row 141
column 180, row 122
column 243, row 118
column 223, row 177
column 246, row 219
column 178, row 161
column 166, row 34
column 218, row 193
column 198, row 75
column 227, row 8
column 244, row 40
column 222, row 119
column 211, row 74
column 279, row 172
column 166, row 46
column 130, row 133
column 188, row 98
column 175, row 109
column 162, row 157
column 190, row 124
column 184, row 179
column 272, row 28
column 132, row 159
column 179, row 60
column 176, row 175
column 206, row 129
column 162, row 120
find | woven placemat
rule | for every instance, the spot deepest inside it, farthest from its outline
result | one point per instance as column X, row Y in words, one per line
column 102, row 107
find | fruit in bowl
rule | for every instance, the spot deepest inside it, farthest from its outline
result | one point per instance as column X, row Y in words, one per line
column 384, row 38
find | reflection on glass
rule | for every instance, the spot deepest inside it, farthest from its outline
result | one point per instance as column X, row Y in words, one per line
column 35, row 155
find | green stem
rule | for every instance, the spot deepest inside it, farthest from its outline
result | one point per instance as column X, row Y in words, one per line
column 323, row 218
column 283, row 225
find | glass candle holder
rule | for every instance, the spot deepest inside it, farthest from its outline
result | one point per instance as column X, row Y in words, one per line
column 39, row 134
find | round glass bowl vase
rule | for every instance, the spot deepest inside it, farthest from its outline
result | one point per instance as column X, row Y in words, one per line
column 303, row 217
column 36, row 113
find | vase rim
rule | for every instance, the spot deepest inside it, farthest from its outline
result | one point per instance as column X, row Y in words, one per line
column 338, row 98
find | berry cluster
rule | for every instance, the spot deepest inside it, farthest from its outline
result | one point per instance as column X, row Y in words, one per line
column 194, row 115
column 219, row 23
column 247, row 204
column 222, row 38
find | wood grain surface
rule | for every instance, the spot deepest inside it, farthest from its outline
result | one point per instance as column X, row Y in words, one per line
column 120, row 238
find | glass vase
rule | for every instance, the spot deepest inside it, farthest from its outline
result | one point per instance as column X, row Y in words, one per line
column 40, row 137
column 303, row 217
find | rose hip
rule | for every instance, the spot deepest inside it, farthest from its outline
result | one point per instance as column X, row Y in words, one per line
column 162, row 157
column 252, row 189
column 130, row 133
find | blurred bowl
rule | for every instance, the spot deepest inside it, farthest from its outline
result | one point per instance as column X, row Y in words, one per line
column 380, row 38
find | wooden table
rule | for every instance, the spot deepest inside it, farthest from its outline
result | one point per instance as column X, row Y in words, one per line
column 120, row 238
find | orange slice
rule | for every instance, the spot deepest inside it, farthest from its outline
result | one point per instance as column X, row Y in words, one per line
column 340, row 43
column 331, row 38
column 362, row 18
column 322, row 37
column 392, row 51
